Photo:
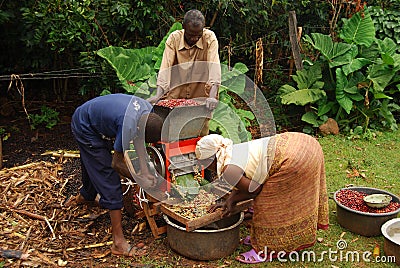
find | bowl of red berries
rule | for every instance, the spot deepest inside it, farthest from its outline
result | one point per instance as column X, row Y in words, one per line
column 356, row 215
column 377, row 200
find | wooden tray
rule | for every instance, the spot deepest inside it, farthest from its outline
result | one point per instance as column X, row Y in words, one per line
column 193, row 224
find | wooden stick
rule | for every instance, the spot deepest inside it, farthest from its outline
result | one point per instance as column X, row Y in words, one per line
column 26, row 238
column 29, row 214
column 63, row 186
column 63, row 154
column 193, row 224
column 8, row 187
column 215, row 14
column 51, row 228
column 49, row 250
column 45, row 259
column 293, row 40
column 22, row 219
column 19, row 167
column 18, row 201
column 91, row 246
column 1, row 152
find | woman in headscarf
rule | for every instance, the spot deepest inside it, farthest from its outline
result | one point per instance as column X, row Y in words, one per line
column 285, row 175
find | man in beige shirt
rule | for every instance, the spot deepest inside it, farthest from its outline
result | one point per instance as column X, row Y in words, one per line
column 190, row 66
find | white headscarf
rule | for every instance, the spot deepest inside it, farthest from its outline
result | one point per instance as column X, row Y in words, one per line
column 215, row 144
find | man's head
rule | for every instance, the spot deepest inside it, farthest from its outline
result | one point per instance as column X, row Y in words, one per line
column 193, row 24
column 153, row 127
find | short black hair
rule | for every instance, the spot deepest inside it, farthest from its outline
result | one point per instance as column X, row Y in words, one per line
column 195, row 18
column 153, row 128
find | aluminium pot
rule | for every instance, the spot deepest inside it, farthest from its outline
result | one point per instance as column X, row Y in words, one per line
column 211, row 242
column 391, row 232
column 364, row 223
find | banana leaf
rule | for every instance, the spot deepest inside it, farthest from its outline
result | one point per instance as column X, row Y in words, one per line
column 309, row 88
column 134, row 66
column 131, row 65
column 359, row 29
column 329, row 49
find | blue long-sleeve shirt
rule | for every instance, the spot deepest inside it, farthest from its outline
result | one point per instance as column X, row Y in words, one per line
column 114, row 116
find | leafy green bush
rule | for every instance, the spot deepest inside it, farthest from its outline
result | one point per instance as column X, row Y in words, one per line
column 352, row 81
column 387, row 24
column 48, row 118
column 66, row 34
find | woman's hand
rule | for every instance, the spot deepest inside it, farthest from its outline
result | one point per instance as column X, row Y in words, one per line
column 216, row 206
column 226, row 207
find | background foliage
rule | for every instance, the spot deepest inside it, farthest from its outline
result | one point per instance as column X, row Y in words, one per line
column 57, row 35
column 354, row 80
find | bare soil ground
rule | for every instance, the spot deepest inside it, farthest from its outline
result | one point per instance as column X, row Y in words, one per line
column 34, row 220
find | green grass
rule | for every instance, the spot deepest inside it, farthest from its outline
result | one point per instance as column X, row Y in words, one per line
column 379, row 163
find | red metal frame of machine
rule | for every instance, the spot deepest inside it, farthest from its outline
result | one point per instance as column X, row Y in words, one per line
column 176, row 148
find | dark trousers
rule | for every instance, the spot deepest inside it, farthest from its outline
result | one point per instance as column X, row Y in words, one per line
column 98, row 177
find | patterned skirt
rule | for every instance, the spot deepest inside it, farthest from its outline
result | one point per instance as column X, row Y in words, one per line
column 293, row 203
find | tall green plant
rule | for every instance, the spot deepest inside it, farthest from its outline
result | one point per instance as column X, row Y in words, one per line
column 361, row 74
column 227, row 119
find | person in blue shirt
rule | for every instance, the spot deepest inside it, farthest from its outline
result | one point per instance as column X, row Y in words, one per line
column 103, row 124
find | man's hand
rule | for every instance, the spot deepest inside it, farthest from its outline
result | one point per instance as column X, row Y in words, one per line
column 146, row 181
column 153, row 99
column 119, row 165
column 211, row 103
column 158, row 95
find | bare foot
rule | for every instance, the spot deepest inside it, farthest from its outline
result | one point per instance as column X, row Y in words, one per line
column 130, row 251
column 80, row 200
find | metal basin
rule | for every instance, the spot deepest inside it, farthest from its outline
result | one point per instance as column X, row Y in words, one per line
column 214, row 241
column 363, row 223
column 391, row 232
